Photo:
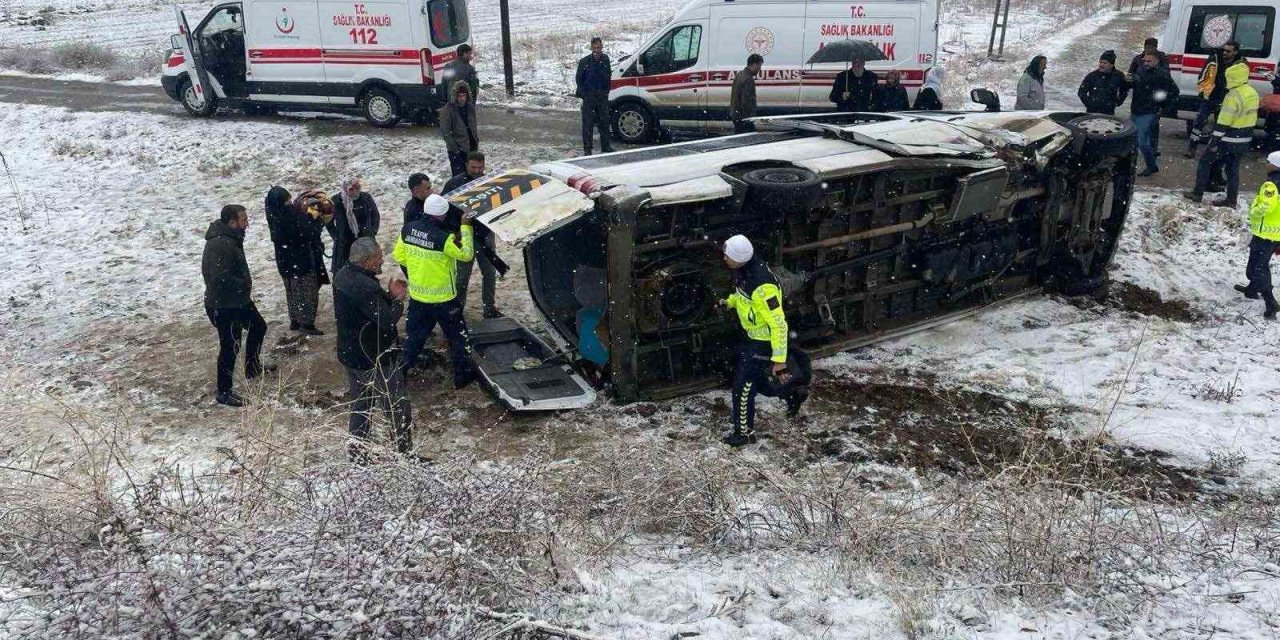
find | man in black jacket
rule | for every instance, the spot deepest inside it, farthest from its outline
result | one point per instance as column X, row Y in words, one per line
column 227, row 301
column 419, row 188
column 369, row 347
column 854, row 89
column 891, row 96
column 742, row 96
column 486, row 255
column 592, row 80
column 462, row 69
column 1104, row 88
column 355, row 215
column 1152, row 90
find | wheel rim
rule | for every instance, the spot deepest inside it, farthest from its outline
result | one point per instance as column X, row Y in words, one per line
column 379, row 108
column 1101, row 126
column 631, row 123
column 781, row 177
column 193, row 99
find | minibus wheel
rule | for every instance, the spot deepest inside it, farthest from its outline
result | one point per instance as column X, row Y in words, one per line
column 380, row 107
column 195, row 104
column 633, row 123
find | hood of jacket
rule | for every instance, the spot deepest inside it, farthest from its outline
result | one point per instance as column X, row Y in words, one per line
column 218, row 229
column 1237, row 74
column 277, row 201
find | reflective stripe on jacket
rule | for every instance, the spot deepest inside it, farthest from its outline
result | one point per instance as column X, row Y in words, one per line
column 1264, row 214
column 431, row 255
column 760, row 311
column 1239, row 113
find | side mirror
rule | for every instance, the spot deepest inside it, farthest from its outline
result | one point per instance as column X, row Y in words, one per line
column 177, row 42
column 987, row 98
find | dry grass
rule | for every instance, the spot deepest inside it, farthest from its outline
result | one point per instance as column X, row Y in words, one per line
column 83, row 57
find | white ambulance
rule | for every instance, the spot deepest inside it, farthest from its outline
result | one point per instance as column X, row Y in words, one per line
column 381, row 57
column 1198, row 28
column 683, row 74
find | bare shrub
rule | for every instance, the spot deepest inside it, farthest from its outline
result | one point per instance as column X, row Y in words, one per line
column 1224, row 391
column 35, row 60
column 84, row 55
column 142, row 64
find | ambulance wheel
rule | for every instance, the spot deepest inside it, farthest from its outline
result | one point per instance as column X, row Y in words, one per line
column 1103, row 135
column 633, row 123
column 195, row 104
column 380, row 107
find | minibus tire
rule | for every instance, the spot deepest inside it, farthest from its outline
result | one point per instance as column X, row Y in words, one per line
column 1104, row 135
column 206, row 109
column 638, row 120
column 781, row 191
column 380, row 107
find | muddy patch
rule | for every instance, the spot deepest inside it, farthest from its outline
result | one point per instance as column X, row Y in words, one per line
column 970, row 433
column 1132, row 298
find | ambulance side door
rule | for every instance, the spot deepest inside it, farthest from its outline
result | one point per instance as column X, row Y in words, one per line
column 365, row 41
column 893, row 27
column 773, row 30
column 286, row 59
column 672, row 71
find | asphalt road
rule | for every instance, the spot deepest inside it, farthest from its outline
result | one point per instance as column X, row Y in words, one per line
column 497, row 123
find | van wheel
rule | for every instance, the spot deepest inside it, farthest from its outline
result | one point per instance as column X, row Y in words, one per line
column 195, row 104
column 1102, row 135
column 777, row 192
column 633, row 123
column 381, row 108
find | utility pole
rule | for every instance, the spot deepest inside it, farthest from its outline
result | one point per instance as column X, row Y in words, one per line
column 506, row 48
column 1000, row 20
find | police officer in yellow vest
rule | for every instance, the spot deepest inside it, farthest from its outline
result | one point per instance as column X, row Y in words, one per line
column 1232, row 135
column 431, row 254
column 762, row 363
column 1264, row 224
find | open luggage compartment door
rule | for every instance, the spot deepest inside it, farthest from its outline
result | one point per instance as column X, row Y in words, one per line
column 523, row 371
column 521, row 205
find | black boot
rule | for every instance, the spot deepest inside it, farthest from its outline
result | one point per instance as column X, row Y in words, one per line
column 230, row 398
column 293, row 326
column 1248, row 293
column 795, row 401
column 1193, row 196
column 310, row 330
column 737, row 439
column 492, row 312
column 464, row 378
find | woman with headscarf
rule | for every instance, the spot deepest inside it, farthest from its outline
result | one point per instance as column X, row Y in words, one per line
column 295, row 232
column 930, row 97
column 1031, row 86
column 355, row 215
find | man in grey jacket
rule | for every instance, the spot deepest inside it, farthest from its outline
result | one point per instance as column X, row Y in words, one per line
column 742, row 98
column 458, row 126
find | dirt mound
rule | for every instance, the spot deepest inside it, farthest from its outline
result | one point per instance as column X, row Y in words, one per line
column 1130, row 297
column 962, row 432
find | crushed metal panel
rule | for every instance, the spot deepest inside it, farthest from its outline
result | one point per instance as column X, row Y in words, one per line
column 923, row 137
column 695, row 190
column 521, row 205
column 848, row 163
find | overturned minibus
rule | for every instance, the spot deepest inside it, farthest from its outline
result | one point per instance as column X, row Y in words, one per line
column 876, row 225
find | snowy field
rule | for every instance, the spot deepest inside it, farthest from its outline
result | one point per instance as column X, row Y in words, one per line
column 101, row 327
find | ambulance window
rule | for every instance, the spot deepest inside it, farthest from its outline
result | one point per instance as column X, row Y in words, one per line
column 676, row 50
column 1212, row 27
column 448, row 22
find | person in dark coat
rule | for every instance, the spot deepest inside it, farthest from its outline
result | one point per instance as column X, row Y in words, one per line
column 419, row 188
column 1149, row 46
column 355, row 215
column 854, row 88
column 299, row 254
column 458, row 126
column 369, row 347
column 742, row 97
column 486, row 256
column 592, row 82
column 891, row 96
column 462, row 69
column 930, row 97
column 227, row 300
column 1104, row 88
column 1152, row 90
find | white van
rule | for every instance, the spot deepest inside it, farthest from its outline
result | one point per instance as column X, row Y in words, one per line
column 1197, row 28
column 378, row 56
column 684, row 72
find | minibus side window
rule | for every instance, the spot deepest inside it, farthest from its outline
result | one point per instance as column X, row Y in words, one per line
column 447, row 20
column 676, row 50
column 1211, row 27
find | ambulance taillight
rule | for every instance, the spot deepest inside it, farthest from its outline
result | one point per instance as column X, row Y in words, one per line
column 428, row 71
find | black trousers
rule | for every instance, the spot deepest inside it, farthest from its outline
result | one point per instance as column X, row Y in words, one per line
column 1258, row 269
column 423, row 319
column 1218, row 154
column 383, row 388
column 595, row 115
column 231, row 324
column 753, row 375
